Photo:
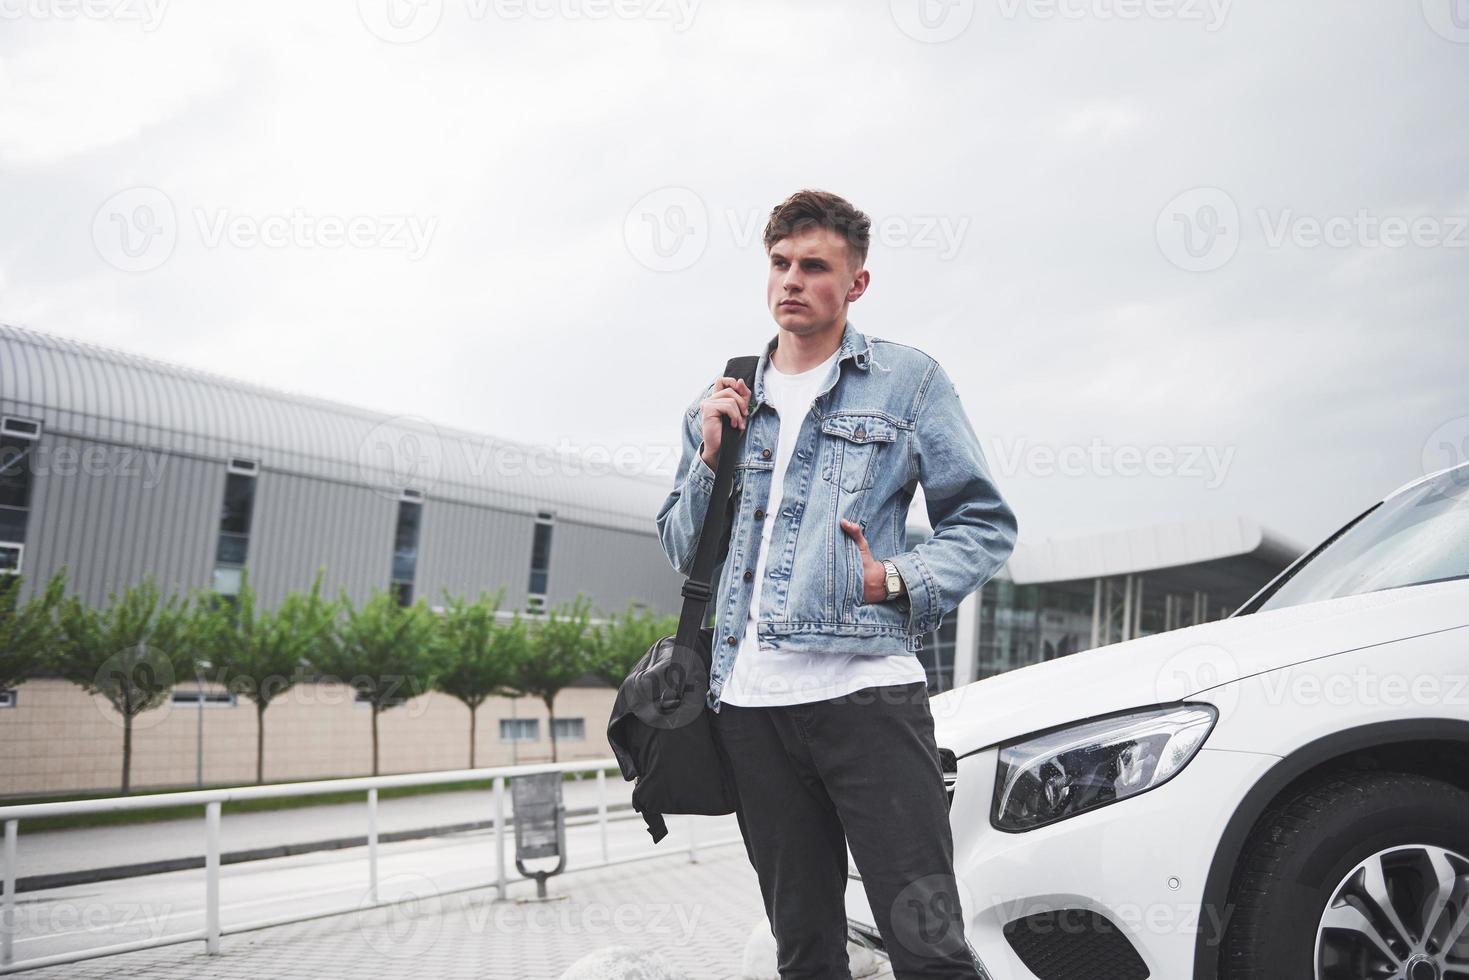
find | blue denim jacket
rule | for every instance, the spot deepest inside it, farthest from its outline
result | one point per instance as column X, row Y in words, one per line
column 890, row 419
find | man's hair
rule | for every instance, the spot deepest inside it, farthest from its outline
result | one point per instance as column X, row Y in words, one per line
column 820, row 209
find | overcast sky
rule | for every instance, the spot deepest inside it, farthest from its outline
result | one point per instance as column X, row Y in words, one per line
column 1183, row 258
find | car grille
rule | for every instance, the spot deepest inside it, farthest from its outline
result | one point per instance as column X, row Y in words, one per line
column 950, row 766
column 1074, row 944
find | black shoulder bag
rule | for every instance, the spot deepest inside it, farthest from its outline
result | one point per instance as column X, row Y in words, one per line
column 660, row 729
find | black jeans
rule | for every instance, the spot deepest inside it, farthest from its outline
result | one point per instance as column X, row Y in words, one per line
column 861, row 769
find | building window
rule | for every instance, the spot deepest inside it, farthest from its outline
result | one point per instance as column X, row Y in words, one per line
column 7, row 697
column 405, row 546
column 17, row 441
column 520, row 729
column 234, row 526
column 209, row 699
column 540, row 562
column 570, row 729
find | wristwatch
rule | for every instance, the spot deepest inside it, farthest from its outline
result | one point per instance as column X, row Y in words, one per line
column 894, row 580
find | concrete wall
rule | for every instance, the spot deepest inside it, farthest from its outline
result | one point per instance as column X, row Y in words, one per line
column 60, row 739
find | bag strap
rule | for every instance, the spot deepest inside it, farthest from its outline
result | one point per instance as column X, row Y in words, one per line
column 698, row 589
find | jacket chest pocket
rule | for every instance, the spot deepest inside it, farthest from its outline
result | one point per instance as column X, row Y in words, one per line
column 855, row 446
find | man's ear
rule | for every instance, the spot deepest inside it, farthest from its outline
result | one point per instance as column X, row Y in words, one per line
column 859, row 285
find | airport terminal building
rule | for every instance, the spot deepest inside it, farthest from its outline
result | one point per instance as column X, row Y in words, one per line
column 118, row 466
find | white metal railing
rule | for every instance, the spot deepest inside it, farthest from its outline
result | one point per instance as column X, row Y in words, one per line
column 213, row 800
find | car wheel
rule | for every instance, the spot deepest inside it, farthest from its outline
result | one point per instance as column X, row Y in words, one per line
column 1360, row 876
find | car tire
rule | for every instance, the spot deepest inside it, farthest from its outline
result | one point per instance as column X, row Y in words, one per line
column 1305, row 847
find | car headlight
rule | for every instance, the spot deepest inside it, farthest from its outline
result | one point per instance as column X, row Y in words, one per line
column 1050, row 777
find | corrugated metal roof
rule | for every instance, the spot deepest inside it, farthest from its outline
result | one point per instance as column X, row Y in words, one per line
column 102, row 393
column 1144, row 549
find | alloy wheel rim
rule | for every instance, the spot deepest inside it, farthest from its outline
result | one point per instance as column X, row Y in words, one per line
column 1401, row 914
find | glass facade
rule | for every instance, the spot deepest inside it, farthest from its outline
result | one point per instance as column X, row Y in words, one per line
column 15, row 499
column 405, row 550
column 1029, row 624
column 233, row 544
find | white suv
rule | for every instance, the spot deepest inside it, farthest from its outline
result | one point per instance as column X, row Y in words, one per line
column 1279, row 795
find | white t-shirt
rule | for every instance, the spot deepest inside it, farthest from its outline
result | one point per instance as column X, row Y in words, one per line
column 763, row 677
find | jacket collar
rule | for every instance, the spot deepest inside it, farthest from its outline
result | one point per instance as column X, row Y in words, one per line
column 854, row 345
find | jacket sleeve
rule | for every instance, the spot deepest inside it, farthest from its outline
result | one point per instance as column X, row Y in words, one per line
column 974, row 529
column 681, row 517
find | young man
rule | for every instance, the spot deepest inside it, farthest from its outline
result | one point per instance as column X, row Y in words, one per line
column 818, row 694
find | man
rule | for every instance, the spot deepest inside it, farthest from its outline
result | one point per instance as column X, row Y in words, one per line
column 817, row 692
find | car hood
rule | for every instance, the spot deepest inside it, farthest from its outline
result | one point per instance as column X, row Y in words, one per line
column 1182, row 663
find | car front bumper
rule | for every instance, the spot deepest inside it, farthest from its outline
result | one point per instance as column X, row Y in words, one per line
column 1112, row 892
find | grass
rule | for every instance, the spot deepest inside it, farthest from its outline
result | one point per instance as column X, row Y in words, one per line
column 124, row 817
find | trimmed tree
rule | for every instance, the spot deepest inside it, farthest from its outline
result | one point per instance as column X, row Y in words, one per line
column 560, row 652
column 478, row 655
column 384, row 651
column 620, row 642
column 131, row 653
column 28, row 629
column 261, row 656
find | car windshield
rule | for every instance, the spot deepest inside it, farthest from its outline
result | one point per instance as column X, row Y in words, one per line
column 1419, row 536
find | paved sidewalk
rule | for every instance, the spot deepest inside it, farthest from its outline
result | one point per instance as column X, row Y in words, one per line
column 698, row 915
column 52, row 851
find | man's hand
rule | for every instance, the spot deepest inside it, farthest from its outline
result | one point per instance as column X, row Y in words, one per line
column 874, row 575
column 730, row 399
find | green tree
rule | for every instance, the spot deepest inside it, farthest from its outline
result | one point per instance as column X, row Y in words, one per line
column 261, row 655
column 27, row 629
column 620, row 642
column 383, row 650
column 560, row 651
column 131, row 652
column 478, row 655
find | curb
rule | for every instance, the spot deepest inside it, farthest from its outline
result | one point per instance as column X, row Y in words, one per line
column 61, row 879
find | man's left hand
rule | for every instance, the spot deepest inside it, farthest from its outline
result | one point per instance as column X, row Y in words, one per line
column 874, row 575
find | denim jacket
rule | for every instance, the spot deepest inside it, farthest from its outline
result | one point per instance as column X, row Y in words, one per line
column 890, row 419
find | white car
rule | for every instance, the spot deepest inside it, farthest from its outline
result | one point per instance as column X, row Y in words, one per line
column 1279, row 795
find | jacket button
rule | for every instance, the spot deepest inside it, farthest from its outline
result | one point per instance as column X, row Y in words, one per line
column 764, row 454
column 861, row 433
column 759, row 513
column 730, row 640
column 749, row 575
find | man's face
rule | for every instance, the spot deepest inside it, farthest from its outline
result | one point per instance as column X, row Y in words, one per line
column 812, row 280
